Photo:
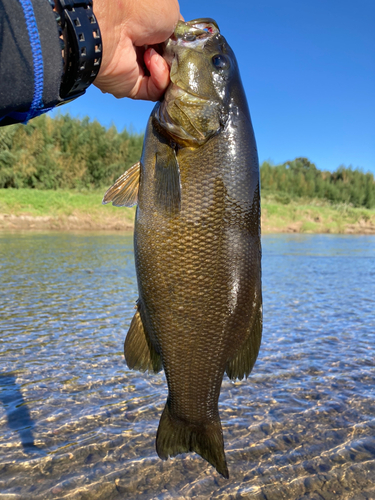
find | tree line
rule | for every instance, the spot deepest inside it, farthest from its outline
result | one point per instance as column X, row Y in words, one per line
column 69, row 153
column 65, row 153
column 300, row 178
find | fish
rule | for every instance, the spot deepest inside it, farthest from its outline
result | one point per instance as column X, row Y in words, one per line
column 197, row 241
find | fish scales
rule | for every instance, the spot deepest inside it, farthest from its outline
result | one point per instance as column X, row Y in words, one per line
column 198, row 265
column 188, row 268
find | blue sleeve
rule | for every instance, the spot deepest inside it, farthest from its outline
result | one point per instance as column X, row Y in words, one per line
column 30, row 60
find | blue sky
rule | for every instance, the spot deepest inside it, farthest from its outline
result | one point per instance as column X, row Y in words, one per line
column 308, row 68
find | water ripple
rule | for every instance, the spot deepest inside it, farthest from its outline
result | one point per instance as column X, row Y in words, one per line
column 76, row 423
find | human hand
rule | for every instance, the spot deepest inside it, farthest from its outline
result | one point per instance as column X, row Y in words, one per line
column 126, row 27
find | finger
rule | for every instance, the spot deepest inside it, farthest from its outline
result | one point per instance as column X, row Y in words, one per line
column 158, row 69
column 152, row 87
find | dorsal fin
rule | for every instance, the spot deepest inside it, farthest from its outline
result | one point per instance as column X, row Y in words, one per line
column 124, row 192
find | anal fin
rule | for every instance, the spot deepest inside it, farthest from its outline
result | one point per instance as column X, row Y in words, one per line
column 124, row 192
column 138, row 349
column 243, row 361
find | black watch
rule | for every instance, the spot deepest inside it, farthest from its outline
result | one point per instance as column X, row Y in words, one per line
column 81, row 45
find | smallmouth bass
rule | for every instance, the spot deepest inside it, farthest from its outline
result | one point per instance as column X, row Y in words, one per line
column 196, row 240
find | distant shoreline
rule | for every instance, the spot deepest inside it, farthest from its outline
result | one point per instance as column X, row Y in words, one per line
column 33, row 210
column 83, row 222
column 78, row 222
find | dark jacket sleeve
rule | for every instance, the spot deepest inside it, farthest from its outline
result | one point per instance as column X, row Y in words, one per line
column 20, row 57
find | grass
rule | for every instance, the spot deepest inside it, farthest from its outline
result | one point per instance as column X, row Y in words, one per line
column 314, row 216
column 57, row 203
column 85, row 207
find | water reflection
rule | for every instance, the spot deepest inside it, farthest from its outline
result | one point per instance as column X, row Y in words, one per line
column 301, row 427
column 17, row 411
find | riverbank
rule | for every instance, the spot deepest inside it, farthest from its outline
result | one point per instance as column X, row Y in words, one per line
column 29, row 209
column 61, row 211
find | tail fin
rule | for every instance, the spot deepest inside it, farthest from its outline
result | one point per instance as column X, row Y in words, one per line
column 175, row 436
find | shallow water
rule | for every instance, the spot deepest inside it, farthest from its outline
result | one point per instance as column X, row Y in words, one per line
column 76, row 423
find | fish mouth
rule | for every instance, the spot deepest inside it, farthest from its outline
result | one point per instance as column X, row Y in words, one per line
column 190, row 35
column 188, row 113
column 196, row 29
column 181, row 89
column 178, row 91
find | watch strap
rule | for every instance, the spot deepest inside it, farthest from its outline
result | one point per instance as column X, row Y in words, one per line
column 81, row 46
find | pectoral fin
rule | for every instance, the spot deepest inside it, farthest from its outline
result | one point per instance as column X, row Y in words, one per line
column 124, row 192
column 138, row 349
column 167, row 180
column 242, row 363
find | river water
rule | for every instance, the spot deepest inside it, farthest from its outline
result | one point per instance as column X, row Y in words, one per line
column 75, row 423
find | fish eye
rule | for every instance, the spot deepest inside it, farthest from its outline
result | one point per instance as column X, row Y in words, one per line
column 220, row 61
